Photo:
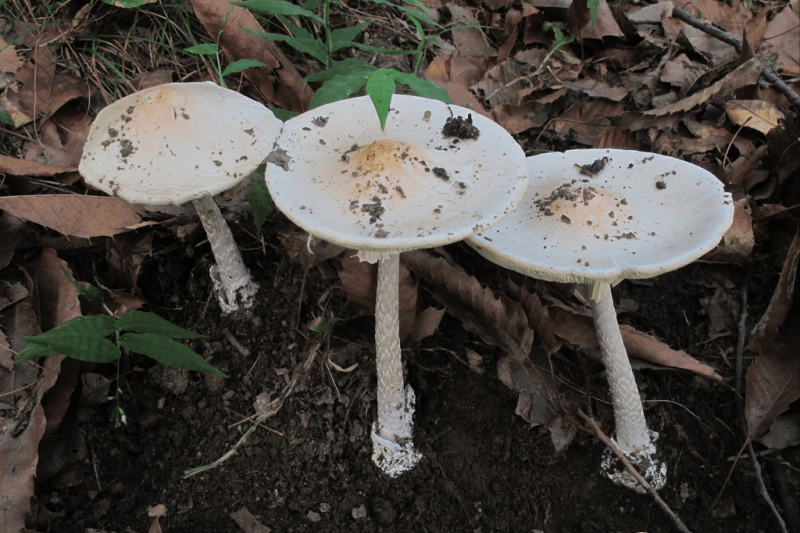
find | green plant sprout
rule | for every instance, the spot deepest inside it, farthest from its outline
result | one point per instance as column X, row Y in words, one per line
column 342, row 78
column 212, row 50
column 84, row 338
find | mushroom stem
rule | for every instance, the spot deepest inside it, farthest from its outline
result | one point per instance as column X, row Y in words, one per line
column 232, row 281
column 392, row 433
column 632, row 435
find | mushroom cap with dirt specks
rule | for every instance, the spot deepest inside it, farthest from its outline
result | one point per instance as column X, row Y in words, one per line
column 343, row 179
column 176, row 142
column 635, row 215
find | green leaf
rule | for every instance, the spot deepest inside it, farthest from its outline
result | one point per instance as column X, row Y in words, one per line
column 33, row 351
column 89, row 291
column 91, row 326
column 167, row 351
column 260, row 201
column 594, row 6
column 344, row 37
column 384, row 51
column 306, row 45
column 205, row 49
column 339, row 88
column 380, row 88
column 424, row 88
column 81, row 347
column 311, row 4
column 127, row 4
column 5, row 119
column 343, row 67
column 283, row 114
column 320, row 325
column 277, row 7
column 144, row 322
column 240, row 65
column 420, row 13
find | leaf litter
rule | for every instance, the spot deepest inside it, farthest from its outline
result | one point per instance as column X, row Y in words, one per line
column 671, row 88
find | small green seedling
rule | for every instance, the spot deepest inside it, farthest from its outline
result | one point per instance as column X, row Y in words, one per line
column 342, row 78
column 85, row 338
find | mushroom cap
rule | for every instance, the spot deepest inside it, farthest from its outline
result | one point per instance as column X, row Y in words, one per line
column 641, row 215
column 406, row 187
column 176, row 142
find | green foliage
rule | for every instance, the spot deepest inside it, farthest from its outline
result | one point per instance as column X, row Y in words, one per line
column 84, row 338
column 260, row 200
column 127, row 4
column 345, row 77
column 561, row 40
column 593, row 6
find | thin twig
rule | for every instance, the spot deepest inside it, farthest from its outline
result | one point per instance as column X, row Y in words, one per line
column 742, row 326
column 629, row 467
column 763, row 487
column 725, row 37
column 299, row 373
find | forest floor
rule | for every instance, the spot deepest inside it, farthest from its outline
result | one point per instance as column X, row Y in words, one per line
column 645, row 81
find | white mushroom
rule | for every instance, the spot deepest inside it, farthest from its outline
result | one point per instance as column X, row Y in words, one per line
column 182, row 142
column 597, row 217
column 343, row 179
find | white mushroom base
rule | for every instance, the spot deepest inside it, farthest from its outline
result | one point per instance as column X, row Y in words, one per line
column 395, row 457
column 236, row 294
column 645, row 461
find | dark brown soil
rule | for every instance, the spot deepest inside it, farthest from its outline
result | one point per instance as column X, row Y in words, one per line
column 484, row 468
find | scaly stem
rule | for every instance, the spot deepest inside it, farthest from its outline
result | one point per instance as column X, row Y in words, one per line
column 237, row 288
column 632, row 434
column 387, row 345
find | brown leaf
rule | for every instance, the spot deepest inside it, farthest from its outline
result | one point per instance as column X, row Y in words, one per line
column 738, row 242
column 773, row 382
column 766, row 331
column 360, row 280
column 289, row 91
column 249, row 523
column 81, row 216
column 754, row 114
column 746, row 74
column 578, row 14
column 783, row 35
column 587, row 119
column 468, row 41
column 648, row 348
column 498, row 320
column 538, row 314
column 21, row 167
column 427, row 323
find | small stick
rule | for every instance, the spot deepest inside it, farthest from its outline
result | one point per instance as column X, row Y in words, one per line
column 235, row 343
column 734, row 41
column 299, row 373
column 629, row 467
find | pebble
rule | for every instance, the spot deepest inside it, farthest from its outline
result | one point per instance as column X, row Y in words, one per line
column 314, row 517
column 359, row 512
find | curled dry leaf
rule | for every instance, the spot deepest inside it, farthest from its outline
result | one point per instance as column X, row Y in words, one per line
column 773, row 381
column 498, row 320
column 643, row 346
column 767, row 328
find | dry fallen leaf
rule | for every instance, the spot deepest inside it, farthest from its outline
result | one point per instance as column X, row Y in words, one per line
column 286, row 90
column 498, row 320
column 249, row 523
column 774, row 317
column 773, row 381
column 754, row 114
column 643, row 346
column 81, row 216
